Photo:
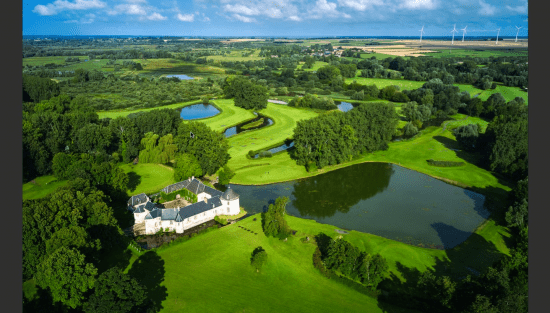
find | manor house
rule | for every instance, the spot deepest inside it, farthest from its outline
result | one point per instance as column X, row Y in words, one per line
column 210, row 203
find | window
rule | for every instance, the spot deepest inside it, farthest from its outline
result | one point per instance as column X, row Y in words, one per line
column 171, row 222
column 227, row 209
column 195, row 217
column 227, row 202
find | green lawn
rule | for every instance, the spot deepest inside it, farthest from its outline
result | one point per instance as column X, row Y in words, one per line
column 117, row 113
column 41, row 186
column 284, row 119
column 37, row 61
column 434, row 143
column 317, row 65
column 476, row 53
column 212, row 272
column 379, row 56
column 231, row 115
column 148, row 177
column 383, row 82
column 463, row 119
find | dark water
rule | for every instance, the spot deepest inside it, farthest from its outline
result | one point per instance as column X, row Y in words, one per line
column 343, row 106
column 180, row 76
column 277, row 149
column 378, row 198
column 238, row 129
column 198, row 111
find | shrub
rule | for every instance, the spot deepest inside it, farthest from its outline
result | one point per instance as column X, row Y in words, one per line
column 204, row 99
column 220, row 220
column 318, row 263
column 445, row 163
column 265, row 154
column 409, row 130
column 311, row 166
column 258, row 259
column 251, row 153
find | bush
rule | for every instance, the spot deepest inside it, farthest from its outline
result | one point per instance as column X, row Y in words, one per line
column 265, row 154
column 258, row 259
column 251, row 153
column 318, row 263
column 409, row 130
column 204, row 99
column 222, row 221
column 445, row 163
column 311, row 166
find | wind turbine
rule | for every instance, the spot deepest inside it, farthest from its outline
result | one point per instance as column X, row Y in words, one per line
column 463, row 32
column 421, row 31
column 497, row 35
column 517, row 33
column 453, row 31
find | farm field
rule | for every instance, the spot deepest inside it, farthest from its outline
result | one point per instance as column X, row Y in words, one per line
column 148, row 177
column 117, row 113
column 317, row 65
column 236, row 55
column 442, row 53
column 196, row 265
column 41, row 186
column 37, row 61
column 171, row 66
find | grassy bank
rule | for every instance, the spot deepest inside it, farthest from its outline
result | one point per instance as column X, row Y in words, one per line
column 284, row 121
column 41, row 186
column 231, row 115
column 148, row 177
column 212, row 272
column 117, row 113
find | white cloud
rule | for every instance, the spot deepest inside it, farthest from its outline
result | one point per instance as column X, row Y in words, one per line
column 241, row 9
column 206, row 19
column 186, row 17
column 294, row 18
column 486, row 9
column 156, row 17
column 418, row 4
column 132, row 9
column 325, row 9
column 521, row 9
column 61, row 5
column 360, row 5
column 244, row 18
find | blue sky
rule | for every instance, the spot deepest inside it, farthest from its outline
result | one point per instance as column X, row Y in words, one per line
column 273, row 18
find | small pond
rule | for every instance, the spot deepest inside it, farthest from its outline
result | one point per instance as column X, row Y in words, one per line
column 180, row 76
column 378, row 198
column 197, row 111
column 277, row 149
column 266, row 121
column 343, row 106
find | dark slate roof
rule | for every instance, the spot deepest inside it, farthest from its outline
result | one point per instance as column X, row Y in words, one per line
column 156, row 212
column 169, row 214
column 215, row 201
column 212, row 192
column 140, row 208
column 176, row 186
column 229, row 194
column 195, row 208
column 195, row 186
column 137, row 199
column 178, row 217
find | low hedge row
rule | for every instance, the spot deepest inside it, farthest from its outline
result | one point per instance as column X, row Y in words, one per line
column 445, row 163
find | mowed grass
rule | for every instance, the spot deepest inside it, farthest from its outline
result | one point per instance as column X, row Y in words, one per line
column 37, row 61
column 212, row 273
column 231, row 115
column 284, row 121
column 383, row 82
column 41, row 186
column 117, row 113
column 463, row 119
column 148, row 177
column 172, row 66
column 434, row 143
column 236, row 55
column 317, row 65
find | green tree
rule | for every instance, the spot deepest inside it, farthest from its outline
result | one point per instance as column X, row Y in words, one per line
column 409, row 130
column 115, row 291
column 328, row 72
column 273, row 221
column 343, row 256
column 517, row 215
column 467, row 136
column 72, row 237
column 208, row 146
column 373, row 269
column 186, row 165
column 259, row 258
column 225, row 175
column 67, row 275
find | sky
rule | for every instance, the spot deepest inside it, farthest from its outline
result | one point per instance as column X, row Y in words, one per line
column 291, row 18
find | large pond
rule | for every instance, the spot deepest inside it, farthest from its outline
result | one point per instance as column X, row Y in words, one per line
column 180, row 76
column 265, row 121
column 196, row 111
column 378, row 198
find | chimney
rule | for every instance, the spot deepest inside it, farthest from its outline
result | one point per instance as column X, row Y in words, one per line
column 192, row 177
column 189, row 178
column 205, row 200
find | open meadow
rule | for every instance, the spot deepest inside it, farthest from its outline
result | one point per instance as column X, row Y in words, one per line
column 212, row 271
column 147, row 177
column 41, row 186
